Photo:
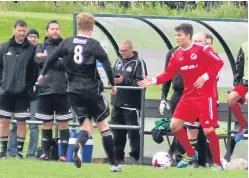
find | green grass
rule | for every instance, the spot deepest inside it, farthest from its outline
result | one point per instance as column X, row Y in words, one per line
column 36, row 169
column 225, row 10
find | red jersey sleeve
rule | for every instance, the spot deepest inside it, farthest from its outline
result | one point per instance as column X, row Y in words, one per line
column 214, row 59
column 170, row 71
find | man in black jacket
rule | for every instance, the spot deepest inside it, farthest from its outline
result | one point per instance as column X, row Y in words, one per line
column 52, row 95
column 18, row 75
column 178, row 87
column 128, row 70
column 85, row 89
column 33, row 37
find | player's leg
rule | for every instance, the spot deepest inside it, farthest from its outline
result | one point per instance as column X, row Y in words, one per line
column 6, row 109
column 21, row 114
column 63, row 116
column 45, row 113
column 181, row 113
column 119, row 135
column 202, row 148
column 100, row 110
column 208, row 120
column 12, row 142
column 234, row 96
column 176, row 146
column 192, row 131
column 246, row 98
column 131, row 118
column 79, row 110
column 34, row 132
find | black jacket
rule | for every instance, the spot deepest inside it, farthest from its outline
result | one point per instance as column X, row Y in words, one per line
column 80, row 54
column 17, row 67
column 55, row 82
column 240, row 73
column 132, row 70
column 177, row 81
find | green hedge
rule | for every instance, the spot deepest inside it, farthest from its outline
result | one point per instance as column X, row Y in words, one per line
column 200, row 9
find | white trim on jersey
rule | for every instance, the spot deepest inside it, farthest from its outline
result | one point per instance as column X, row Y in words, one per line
column 142, row 66
column 195, row 124
column 185, row 49
column 5, row 113
column 64, row 117
column 130, row 109
column 43, row 116
column 106, row 105
column 210, row 105
column 215, row 56
column 22, row 115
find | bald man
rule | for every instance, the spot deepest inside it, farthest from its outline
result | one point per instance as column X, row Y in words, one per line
column 194, row 131
column 128, row 70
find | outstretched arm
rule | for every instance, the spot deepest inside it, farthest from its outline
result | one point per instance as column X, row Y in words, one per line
column 169, row 73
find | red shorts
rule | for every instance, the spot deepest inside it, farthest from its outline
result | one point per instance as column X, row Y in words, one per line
column 204, row 108
column 241, row 90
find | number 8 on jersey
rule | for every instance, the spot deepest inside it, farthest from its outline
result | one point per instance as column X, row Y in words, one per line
column 78, row 58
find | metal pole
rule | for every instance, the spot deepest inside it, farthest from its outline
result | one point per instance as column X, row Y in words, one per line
column 74, row 24
column 228, row 153
column 74, row 125
column 142, row 127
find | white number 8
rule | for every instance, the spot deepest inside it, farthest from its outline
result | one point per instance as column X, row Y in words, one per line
column 78, row 58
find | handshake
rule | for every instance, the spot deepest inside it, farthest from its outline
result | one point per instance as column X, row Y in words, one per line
column 164, row 104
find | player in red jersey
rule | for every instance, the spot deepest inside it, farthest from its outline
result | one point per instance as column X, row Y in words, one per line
column 199, row 66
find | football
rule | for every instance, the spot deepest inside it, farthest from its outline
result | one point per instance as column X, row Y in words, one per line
column 161, row 160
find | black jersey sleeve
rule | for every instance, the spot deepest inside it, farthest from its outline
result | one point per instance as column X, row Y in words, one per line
column 102, row 56
column 52, row 59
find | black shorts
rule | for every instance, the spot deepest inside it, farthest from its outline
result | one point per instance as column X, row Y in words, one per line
column 97, row 108
column 53, row 106
column 16, row 105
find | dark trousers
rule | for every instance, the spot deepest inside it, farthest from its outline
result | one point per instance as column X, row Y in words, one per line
column 121, row 116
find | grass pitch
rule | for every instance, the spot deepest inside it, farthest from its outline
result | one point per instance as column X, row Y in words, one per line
column 11, row 168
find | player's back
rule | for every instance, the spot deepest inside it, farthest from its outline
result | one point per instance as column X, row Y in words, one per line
column 193, row 63
column 79, row 57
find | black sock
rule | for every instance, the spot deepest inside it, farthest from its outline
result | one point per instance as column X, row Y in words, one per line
column 193, row 142
column 108, row 145
column 4, row 143
column 47, row 137
column 64, row 136
column 82, row 138
column 20, row 143
column 209, row 154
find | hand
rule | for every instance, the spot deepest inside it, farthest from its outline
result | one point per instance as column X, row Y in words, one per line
column 113, row 90
column 147, row 81
column 163, row 104
column 199, row 82
column 41, row 79
column 41, row 54
column 119, row 80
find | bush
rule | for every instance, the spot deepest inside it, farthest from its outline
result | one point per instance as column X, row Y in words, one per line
column 167, row 8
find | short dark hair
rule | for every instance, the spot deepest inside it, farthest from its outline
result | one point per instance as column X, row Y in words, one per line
column 186, row 28
column 50, row 22
column 20, row 23
column 209, row 36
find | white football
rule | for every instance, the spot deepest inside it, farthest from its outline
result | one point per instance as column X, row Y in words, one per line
column 161, row 160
